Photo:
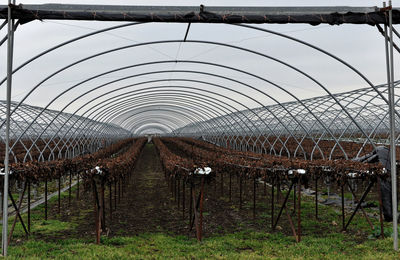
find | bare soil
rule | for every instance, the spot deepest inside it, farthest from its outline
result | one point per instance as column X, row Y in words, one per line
column 148, row 206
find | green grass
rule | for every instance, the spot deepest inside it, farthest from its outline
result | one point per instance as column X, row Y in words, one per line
column 243, row 245
column 321, row 240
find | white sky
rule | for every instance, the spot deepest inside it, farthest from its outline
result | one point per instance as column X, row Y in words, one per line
column 360, row 45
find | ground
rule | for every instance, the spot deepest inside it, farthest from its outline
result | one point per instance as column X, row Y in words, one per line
column 149, row 224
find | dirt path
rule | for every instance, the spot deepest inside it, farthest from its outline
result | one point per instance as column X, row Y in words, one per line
column 147, row 205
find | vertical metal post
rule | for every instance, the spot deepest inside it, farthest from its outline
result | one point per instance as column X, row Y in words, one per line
column 183, row 198
column 222, row 184
column 230, row 186
column 254, row 197
column 298, row 209
column 59, row 193
column 240, row 192
column 45, row 199
column 200, row 224
column 378, row 184
column 294, row 198
column 272, row 202
column 179, row 192
column 343, row 213
column 390, row 67
column 102, row 206
column 115, row 195
column 77, row 188
column 190, row 204
column 10, row 43
column 29, row 207
column 70, row 188
column 110, row 199
column 316, row 197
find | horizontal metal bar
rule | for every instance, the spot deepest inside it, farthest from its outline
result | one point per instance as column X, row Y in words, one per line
column 201, row 14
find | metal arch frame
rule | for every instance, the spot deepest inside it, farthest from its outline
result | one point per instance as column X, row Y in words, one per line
column 22, row 116
column 226, row 45
column 153, row 108
column 320, row 50
column 289, row 93
column 71, row 88
column 209, row 112
column 151, row 127
column 197, row 89
column 153, row 95
column 103, row 95
column 68, row 42
column 126, row 113
column 364, row 133
column 352, row 93
column 111, row 82
column 330, row 55
column 364, row 95
column 271, row 32
column 194, row 116
column 129, row 124
column 203, row 63
column 170, row 122
column 121, row 96
column 15, row 121
column 156, row 120
column 105, row 109
column 129, row 106
column 211, row 108
column 152, row 121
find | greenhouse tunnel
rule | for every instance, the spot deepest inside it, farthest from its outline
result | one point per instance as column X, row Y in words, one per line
column 243, row 86
column 196, row 98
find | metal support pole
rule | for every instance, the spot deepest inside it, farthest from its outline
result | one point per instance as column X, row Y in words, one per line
column 254, row 197
column 115, row 195
column 392, row 135
column 380, row 207
column 299, row 210
column 179, row 192
column 190, row 205
column 45, row 199
column 10, row 43
column 77, row 187
column 390, row 78
column 272, row 202
column 343, row 213
column 59, row 193
column 29, row 206
column 230, row 186
column 240, row 192
column 70, row 188
column 316, row 198
column 222, row 184
column 110, row 199
column 183, row 198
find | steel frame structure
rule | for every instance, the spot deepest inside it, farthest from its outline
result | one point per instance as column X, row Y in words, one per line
column 174, row 106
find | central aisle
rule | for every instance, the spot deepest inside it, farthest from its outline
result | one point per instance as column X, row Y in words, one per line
column 146, row 204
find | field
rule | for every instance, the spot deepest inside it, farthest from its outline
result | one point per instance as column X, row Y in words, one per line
column 150, row 222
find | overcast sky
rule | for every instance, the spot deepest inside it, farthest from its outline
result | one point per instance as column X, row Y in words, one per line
column 360, row 45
